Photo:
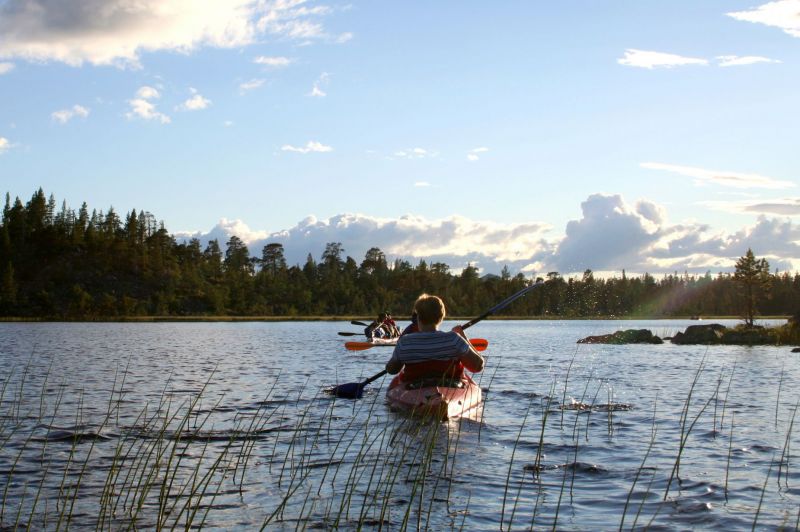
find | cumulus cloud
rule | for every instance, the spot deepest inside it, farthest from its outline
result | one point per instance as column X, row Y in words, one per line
column 196, row 103
column 142, row 107
column 6, row 67
column 724, row 178
column 611, row 235
column 65, row 115
column 272, row 61
column 5, row 144
column 735, row 60
column 311, row 146
column 474, row 154
column 101, row 32
column 251, row 85
column 456, row 240
column 783, row 14
column 650, row 60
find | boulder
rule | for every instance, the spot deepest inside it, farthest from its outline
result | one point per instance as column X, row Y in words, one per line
column 796, row 350
column 629, row 336
column 752, row 336
column 700, row 334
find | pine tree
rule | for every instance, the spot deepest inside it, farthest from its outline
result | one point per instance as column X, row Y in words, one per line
column 752, row 276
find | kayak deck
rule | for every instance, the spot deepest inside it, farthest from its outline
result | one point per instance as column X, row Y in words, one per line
column 435, row 400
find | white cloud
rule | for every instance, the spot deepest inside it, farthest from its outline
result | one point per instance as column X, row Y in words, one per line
column 728, row 179
column 251, row 85
column 344, row 37
column 5, row 145
column 415, row 153
column 456, row 240
column 103, row 32
column 311, row 146
column 195, row 103
column 65, row 115
column 611, row 234
column 142, row 107
column 779, row 206
column 735, row 60
column 6, row 67
column 422, row 184
column 147, row 93
column 651, row 60
column 473, row 154
column 228, row 123
column 274, row 62
column 783, row 14
column 316, row 90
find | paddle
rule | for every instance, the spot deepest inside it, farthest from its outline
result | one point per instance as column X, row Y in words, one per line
column 351, row 334
column 480, row 344
column 354, row 390
column 356, row 322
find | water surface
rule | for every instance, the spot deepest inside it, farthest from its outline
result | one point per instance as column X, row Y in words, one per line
column 225, row 425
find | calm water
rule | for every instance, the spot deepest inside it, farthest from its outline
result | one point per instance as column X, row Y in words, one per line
column 224, row 425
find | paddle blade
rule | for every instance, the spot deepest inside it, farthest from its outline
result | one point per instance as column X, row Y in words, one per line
column 356, row 322
column 350, row 334
column 358, row 346
column 351, row 390
column 480, row 344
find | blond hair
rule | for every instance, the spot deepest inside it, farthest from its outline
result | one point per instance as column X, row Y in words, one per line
column 430, row 309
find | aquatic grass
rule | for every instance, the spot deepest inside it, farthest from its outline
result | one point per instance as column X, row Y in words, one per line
column 653, row 432
column 684, row 434
column 778, row 396
column 730, row 452
column 763, row 491
column 785, row 453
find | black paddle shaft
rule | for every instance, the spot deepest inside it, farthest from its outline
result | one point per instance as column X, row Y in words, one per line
column 503, row 304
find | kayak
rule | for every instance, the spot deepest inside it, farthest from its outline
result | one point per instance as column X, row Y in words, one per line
column 431, row 399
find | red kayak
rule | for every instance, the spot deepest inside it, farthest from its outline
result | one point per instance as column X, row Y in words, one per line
column 432, row 399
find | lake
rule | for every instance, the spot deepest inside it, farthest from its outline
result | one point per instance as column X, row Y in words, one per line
column 227, row 426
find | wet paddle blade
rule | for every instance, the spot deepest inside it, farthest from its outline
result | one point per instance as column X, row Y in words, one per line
column 351, row 390
column 480, row 344
column 358, row 346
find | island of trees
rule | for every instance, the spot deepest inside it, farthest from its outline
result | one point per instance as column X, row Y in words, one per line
column 56, row 263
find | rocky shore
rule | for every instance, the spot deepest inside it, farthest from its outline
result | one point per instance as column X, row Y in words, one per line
column 710, row 334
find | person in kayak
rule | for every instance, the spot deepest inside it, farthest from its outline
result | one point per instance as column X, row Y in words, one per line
column 376, row 329
column 390, row 326
column 413, row 326
column 431, row 353
column 382, row 327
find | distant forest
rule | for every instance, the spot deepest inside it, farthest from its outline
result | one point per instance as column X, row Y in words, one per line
column 56, row 263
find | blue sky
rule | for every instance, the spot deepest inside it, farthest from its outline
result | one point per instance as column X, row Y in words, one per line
column 650, row 136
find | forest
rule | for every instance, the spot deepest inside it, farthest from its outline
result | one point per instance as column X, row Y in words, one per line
column 56, row 263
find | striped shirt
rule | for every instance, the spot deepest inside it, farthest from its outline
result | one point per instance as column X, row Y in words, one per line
column 428, row 346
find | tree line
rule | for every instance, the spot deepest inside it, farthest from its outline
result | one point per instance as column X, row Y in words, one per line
column 57, row 263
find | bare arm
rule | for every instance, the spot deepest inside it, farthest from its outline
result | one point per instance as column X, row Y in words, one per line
column 472, row 360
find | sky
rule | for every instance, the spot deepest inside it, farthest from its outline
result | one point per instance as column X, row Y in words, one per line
column 612, row 135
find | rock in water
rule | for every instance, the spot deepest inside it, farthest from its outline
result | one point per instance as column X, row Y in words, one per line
column 628, row 336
